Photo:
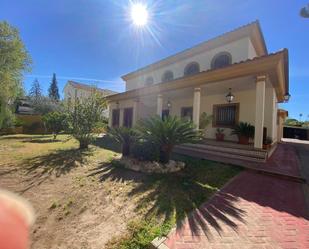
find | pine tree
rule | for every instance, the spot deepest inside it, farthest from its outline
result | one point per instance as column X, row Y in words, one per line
column 53, row 91
column 35, row 91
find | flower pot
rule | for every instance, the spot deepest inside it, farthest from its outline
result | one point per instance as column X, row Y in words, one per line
column 243, row 140
column 219, row 136
column 266, row 146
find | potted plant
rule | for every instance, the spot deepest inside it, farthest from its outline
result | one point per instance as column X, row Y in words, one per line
column 220, row 134
column 244, row 132
column 267, row 143
column 205, row 120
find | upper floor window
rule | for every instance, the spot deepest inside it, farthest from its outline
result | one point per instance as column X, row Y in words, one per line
column 149, row 81
column 192, row 68
column 167, row 76
column 221, row 60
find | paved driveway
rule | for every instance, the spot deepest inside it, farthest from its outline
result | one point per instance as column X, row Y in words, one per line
column 252, row 211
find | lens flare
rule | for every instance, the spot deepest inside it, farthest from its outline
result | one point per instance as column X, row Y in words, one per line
column 139, row 14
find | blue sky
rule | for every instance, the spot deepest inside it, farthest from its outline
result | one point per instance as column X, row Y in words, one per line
column 93, row 39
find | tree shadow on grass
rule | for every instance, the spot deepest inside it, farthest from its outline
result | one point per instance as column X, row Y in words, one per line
column 40, row 168
column 174, row 197
column 42, row 141
column 14, row 137
column 107, row 142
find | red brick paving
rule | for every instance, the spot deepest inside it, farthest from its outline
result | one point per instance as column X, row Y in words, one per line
column 283, row 162
column 253, row 211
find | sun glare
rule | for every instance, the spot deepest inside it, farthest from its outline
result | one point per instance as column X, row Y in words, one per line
column 139, row 14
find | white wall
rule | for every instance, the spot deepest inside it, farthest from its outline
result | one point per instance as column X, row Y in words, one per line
column 245, row 98
column 240, row 50
column 72, row 92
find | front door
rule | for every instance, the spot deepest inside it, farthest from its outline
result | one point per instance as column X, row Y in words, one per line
column 128, row 117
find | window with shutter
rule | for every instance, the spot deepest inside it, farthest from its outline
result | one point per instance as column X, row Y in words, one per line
column 115, row 117
column 128, row 117
column 225, row 115
column 187, row 113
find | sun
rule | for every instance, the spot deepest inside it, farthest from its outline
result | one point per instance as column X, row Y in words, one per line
column 139, row 14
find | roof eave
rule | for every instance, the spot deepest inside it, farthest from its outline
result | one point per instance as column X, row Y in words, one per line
column 270, row 64
column 253, row 30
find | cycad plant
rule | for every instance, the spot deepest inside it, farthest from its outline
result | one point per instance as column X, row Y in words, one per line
column 205, row 120
column 167, row 133
column 244, row 131
column 125, row 136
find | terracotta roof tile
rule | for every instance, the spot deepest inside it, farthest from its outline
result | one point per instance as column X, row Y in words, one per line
column 89, row 87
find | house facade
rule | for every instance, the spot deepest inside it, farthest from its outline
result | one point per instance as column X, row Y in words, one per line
column 232, row 77
column 78, row 91
column 75, row 90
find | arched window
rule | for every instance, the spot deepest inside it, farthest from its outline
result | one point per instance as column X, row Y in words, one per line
column 149, row 81
column 220, row 60
column 192, row 68
column 167, row 76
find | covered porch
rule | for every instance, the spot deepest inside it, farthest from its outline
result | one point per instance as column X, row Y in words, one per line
column 257, row 85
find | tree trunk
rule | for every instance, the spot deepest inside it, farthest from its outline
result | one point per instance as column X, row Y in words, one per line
column 125, row 149
column 83, row 145
column 165, row 153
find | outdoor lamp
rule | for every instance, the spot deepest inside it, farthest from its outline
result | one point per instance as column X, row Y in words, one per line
column 287, row 97
column 229, row 97
column 169, row 104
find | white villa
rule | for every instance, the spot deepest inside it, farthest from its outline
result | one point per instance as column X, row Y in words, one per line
column 199, row 79
column 75, row 90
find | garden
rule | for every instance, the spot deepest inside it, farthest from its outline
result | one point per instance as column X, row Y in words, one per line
column 87, row 195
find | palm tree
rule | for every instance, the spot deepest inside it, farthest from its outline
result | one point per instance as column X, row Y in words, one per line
column 205, row 120
column 167, row 133
column 125, row 136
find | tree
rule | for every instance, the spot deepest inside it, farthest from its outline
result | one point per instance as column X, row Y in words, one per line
column 44, row 105
column 55, row 122
column 292, row 122
column 35, row 90
column 125, row 136
column 14, row 60
column 167, row 133
column 83, row 117
column 304, row 12
column 53, row 91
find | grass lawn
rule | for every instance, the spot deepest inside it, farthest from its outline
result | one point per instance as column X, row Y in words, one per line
column 84, row 200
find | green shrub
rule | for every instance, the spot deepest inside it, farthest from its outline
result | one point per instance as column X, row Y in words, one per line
column 145, row 151
column 125, row 136
column 167, row 133
column 139, row 235
column 244, row 129
column 55, row 122
column 83, row 117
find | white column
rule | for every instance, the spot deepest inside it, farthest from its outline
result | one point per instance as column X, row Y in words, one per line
column 110, row 114
column 135, row 111
column 196, row 106
column 274, row 116
column 121, row 110
column 259, row 111
column 159, row 104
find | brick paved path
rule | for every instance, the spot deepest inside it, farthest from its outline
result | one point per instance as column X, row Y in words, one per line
column 253, row 211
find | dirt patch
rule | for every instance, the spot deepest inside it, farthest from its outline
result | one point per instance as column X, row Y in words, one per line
column 74, row 207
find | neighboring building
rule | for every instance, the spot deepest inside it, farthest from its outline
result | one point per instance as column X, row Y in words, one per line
column 74, row 90
column 24, row 107
column 198, row 80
